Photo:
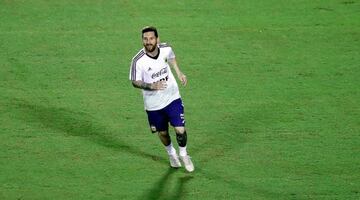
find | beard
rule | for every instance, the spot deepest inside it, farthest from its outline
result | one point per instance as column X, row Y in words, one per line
column 150, row 47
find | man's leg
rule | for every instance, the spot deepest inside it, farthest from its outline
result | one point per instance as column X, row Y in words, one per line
column 175, row 112
column 164, row 137
column 176, row 115
column 181, row 138
column 166, row 140
column 158, row 123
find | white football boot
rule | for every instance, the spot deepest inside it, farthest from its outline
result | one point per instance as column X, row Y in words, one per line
column 189, row 166
column 174, row 161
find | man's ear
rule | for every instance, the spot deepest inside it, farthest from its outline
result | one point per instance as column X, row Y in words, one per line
column 158, row 40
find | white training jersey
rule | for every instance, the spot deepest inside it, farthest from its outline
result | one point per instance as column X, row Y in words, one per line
column 149, row 70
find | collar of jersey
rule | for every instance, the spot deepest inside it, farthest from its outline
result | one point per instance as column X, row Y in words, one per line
column 155, row 57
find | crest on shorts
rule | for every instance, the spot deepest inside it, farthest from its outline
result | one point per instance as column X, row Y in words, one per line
column 153, row 128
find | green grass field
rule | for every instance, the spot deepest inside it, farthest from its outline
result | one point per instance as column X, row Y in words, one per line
column 272, row 104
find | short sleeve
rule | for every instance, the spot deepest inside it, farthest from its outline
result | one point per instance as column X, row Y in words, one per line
column 135, row 73
column 171, row 54
column 135, row 69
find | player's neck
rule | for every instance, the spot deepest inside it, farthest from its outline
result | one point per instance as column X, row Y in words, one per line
column 154, row 53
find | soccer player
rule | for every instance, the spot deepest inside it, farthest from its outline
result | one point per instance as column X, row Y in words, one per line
column 150, row 71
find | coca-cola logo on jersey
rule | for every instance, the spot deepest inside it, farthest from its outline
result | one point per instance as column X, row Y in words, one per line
column 159, row 73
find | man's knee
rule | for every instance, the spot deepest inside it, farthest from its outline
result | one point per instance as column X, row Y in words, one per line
column 163, row 133
column 180, row 130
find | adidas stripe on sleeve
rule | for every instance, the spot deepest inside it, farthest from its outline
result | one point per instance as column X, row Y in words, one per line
column 135, row 73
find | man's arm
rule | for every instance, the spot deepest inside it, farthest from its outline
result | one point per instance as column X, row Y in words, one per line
column 160, row 85
column 181, row 76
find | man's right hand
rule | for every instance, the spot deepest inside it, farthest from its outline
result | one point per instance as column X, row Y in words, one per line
column 160, row 85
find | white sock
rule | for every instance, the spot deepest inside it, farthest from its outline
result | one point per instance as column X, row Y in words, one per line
column 182, row 151
column 170, row 149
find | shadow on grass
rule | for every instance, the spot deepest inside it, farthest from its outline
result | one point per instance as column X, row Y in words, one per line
column 160, row 189
column 180, row 192
column 81, row 124
column 78, row 124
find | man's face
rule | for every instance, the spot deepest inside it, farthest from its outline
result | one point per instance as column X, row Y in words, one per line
column 149, row 41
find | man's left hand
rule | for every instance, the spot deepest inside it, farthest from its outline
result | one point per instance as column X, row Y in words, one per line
column 183, row 79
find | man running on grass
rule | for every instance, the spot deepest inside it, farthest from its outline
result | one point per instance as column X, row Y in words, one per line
column 150, row 71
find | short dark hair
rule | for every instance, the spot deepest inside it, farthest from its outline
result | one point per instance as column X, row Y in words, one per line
column 149, row 29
